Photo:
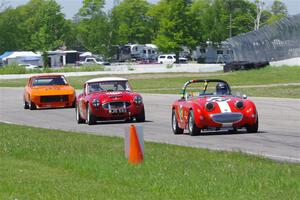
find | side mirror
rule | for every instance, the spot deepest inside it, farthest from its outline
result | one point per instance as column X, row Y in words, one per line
column 244, row 96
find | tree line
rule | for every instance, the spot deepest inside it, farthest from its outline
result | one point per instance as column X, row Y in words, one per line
column 40, row 25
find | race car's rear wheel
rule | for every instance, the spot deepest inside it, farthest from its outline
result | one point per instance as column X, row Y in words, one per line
column 175, row 127
column 141, row 116
column 78, row 117
column 254, row 128
column 90, row 118
column 192, row 127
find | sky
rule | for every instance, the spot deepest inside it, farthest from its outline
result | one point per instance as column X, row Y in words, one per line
column 71, row 7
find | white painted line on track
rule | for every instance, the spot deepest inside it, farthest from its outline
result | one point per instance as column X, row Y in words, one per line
column 278, row 158
column 7, row 122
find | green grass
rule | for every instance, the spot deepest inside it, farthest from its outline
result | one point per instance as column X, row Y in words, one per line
column 172, row 83
column 15, row 69
column 39, row 163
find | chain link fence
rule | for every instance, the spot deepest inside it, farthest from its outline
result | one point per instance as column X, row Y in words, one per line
column 278, row 41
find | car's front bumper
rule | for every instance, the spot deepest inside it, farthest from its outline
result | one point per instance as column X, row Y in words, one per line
column 53, row 101
column 117, row 113
column 226, row 120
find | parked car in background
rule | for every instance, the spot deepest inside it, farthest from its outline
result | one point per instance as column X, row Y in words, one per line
column 166, row 59
column 29, row 66
column 48, row 91
column 109, row 98
column 92, row 60
column 170, row 59
column 209, row 105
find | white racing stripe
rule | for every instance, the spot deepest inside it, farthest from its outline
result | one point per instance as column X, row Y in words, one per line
column 224, row 107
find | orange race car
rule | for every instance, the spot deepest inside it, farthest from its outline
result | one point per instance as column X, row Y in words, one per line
column 48, row 91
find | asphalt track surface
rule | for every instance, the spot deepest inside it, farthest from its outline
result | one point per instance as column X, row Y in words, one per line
column 278, row 137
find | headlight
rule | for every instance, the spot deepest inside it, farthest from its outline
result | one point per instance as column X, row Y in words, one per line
column 138, row 100
column 209, row 106
column 96, row 103
column 239, row 104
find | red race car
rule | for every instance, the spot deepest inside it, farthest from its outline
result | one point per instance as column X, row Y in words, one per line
column 109, row 98
column 209, row 105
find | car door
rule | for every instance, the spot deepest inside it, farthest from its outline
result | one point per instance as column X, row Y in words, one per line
column 27, row 90
column 170, row 59
column 82, row 99
column 185, row 105
column 182, row 111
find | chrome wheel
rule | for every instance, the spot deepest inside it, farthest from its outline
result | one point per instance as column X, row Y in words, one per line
column 192, row 127
column 77, row 114
column 88, row 115
column 176, row 129
column 191, row 122
column 174, row 122
column 78, row 117
column 90, row 118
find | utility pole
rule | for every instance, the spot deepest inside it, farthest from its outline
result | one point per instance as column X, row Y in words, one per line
column 230, row 25
column 231, row 10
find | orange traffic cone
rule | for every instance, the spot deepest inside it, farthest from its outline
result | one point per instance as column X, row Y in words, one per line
column 135, row 151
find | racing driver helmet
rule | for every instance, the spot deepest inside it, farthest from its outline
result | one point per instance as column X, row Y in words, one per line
column 221, row 88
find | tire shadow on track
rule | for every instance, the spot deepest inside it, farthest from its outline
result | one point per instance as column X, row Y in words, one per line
column 214, row 133
column 119, row 122
column 52, row 108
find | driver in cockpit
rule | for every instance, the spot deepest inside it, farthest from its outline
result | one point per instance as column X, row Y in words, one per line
column 221, row 89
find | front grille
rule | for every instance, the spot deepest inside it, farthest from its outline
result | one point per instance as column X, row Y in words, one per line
column 227, row 117
column 57, row 98
column 116, row 104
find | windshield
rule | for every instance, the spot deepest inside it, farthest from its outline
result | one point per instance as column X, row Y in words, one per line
column 206, row 88
column 55, row 80
column 109, row 86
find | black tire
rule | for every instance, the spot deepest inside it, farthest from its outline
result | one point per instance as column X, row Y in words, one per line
column 192, row 127
column 90, row 118
column 254, row 128
column 175, row 127
column 73, row 104
column 129, row 120
column 141, row 116
column 32, row 106
column 26, row 105
column 78, row 117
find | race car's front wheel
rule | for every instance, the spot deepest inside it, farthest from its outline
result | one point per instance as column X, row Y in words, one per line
column 26, row 105
column 175, row 127
column 141, row 116
column 32, row 106
column 90, row 118
column 192, row 127
column 78, row 117
column 254, row 128
column 73, row 104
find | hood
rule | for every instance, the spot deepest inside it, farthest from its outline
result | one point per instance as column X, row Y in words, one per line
column 222, row 103
column 53, row 90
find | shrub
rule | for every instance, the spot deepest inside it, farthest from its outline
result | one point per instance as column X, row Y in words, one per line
column 12, row 69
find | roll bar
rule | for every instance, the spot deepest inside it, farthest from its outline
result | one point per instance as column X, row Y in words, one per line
column 205, row 81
